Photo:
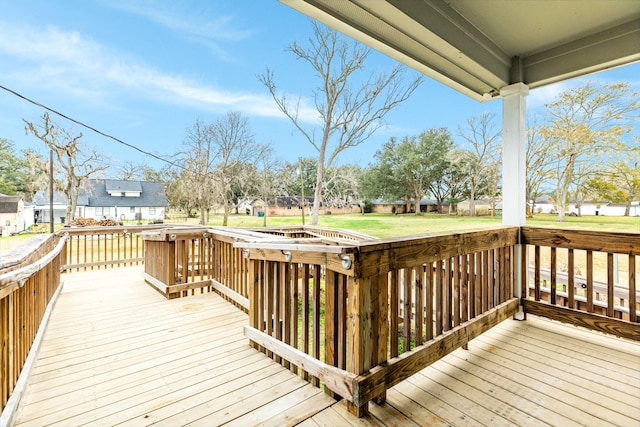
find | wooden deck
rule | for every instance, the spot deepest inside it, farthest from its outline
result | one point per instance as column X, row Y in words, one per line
column 117, row 353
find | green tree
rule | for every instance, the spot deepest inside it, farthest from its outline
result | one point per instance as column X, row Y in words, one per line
column 13, row 170
column 619, row 182
column 350, row 109
column 586, row 123
column 409, row 168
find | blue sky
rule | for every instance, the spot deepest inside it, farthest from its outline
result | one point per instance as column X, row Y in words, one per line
column 144, row 71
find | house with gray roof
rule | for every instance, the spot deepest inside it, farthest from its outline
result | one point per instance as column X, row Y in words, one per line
column 108, row 198
column 12, row 215
column 125, row 200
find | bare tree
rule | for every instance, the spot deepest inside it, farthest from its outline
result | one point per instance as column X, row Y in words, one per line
column 342, row 186
column 538, row 163
column 584, row 123
column 215, row 159
column 236, row 147
column 349, row 114
column 482, row 142
column 76, row 161
column 198, row 162
column 268, row 185
column 131, row 171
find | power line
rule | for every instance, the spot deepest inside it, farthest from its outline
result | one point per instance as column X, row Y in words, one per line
column 106, row 135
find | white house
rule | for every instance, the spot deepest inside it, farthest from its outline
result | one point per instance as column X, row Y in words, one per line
column 125, row 200
column 14, row 216
column 108, row 198
column 599, row 208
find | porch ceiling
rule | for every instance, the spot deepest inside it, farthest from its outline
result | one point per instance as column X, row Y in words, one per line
column 478, row 47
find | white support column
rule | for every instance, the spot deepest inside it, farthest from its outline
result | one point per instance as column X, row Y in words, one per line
column 514, row 137
column 514, row 173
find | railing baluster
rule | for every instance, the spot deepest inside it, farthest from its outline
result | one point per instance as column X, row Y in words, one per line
column 394, row 312
column 553, row 262
column 456, row 291
column 406, row 311
column 446, row 295
column 439, row 296
column 428, row 282
column 306, row 345
column 590, row 281
column 610, row 285
column 417, row 280
column 316, row 317
column 464, row 291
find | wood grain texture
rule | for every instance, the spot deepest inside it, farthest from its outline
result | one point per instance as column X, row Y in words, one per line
column 117, row 352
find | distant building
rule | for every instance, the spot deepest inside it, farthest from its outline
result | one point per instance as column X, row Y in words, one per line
column 12, row 215
column 386, row 206
column 292, row 206
column 125, row 200
column 107, row 199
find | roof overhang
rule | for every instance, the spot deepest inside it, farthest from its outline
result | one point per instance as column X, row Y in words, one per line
column 478, row 47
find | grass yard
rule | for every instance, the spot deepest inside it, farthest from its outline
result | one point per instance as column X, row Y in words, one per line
column 387, row 225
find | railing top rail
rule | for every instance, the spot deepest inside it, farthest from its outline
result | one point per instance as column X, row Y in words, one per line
column 320, row 231
column 494, row 233
column 110, row 229
column 14, row 279
column 298, row 245
column 594, row 240
column 22, row 252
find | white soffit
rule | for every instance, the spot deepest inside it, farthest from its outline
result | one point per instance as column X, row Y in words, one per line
column 479, row 46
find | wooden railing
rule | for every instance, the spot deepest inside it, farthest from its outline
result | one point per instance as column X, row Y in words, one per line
column 91, row 248
column 26, row 289
column 574, row 276
column 181, row 261
column 354, row 314
column 362, row 317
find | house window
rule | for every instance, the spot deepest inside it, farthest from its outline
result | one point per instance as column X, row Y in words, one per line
column 102, row 211
column 132, row 209
column 152, row 211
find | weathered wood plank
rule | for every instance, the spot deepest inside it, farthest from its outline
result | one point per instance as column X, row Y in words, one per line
column 592, row 240
column 398, row 369
column 593, row 321
column 387, row 254
column 336, row 379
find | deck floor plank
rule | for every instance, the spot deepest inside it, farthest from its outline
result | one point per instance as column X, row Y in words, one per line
column 116, row 352
column 578, row 381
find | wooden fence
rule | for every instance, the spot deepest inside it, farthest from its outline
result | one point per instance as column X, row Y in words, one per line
column 563, row 283
column 26, row 289
column 354, row 314
column 181, row 261
column 360, row 318
column 91, row 248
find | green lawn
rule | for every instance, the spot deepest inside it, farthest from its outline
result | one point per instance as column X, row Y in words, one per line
column 387, row 225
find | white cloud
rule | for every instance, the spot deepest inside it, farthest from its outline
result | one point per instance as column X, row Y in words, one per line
column 71, row 66
column 202, row 26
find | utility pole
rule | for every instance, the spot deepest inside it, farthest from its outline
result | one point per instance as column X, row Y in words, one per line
column 51, row 191
column 302, row 190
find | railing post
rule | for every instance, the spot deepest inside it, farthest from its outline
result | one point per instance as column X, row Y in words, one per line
column 253, row 294
column 380, row 324
column 331, row 323
column 521, row 275
column 360, row 332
